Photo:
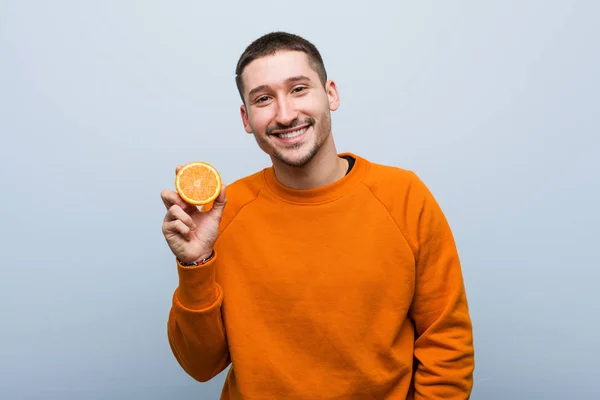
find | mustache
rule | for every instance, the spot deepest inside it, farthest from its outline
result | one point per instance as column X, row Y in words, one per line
column 293, row 124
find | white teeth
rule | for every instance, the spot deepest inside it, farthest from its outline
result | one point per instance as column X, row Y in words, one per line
column 293, row 134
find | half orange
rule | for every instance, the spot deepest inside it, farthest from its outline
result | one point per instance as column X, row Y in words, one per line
column 198, row 183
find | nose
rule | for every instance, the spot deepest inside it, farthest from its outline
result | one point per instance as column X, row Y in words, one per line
column 286, row 112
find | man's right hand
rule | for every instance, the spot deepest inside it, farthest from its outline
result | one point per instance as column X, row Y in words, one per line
column 190, row 233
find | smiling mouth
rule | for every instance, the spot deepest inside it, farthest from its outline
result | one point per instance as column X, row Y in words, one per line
column 292, row 133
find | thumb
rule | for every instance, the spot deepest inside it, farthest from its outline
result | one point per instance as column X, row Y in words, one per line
column 219, row 203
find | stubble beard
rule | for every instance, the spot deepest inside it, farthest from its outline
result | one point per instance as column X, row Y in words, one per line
column 321, row 132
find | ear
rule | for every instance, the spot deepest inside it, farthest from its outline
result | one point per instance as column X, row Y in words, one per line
column 244, row 115
column 332, row 95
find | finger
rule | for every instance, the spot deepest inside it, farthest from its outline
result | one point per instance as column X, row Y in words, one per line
column 178, row 227
column 220, row 201
column 177, row 169
column 176, row 213
column 170, row 197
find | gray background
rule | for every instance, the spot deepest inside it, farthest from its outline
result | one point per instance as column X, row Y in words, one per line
column 493, row 104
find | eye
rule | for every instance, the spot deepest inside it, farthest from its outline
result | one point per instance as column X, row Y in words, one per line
column 262, row 99
column 299, row 89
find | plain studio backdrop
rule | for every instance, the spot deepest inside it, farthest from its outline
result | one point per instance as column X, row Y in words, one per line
column 493, row 104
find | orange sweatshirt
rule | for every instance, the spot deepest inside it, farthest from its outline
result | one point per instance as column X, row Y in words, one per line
column 349, row 291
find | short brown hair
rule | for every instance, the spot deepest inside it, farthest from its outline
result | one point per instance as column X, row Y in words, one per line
column 273, row 42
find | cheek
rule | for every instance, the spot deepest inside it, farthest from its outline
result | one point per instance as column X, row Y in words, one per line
column 313, row 105
column 259, row 120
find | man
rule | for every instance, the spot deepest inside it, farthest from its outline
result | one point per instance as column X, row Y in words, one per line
column 326, row 276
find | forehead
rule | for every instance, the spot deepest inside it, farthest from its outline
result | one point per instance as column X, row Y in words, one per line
column 276, row 69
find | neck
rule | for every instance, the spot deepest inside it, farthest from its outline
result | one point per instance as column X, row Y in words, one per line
column 325, row 168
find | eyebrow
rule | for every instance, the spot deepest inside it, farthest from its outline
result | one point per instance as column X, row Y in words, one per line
column 293, row 79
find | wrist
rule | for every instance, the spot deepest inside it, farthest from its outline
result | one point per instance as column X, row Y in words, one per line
column 203, row 259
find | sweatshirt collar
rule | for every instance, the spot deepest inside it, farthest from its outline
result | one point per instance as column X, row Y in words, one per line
column 323, row 194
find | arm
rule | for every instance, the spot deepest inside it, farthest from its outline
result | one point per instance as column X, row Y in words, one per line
column 195, row 327
column 444, row 344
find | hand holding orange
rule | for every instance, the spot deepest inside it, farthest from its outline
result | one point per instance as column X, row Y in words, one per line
column 190, row 233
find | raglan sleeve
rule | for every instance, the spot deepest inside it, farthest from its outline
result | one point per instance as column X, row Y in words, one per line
column 195, row 325
column 444, row 350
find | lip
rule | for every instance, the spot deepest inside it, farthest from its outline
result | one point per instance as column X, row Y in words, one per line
column 296, row 128
column 293, row 140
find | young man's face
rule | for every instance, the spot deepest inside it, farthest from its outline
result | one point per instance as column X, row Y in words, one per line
column 287, row 108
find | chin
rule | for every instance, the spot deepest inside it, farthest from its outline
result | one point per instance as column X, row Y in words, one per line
column 296, row 157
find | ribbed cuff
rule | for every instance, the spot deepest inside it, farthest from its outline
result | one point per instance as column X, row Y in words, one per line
column 197, row 285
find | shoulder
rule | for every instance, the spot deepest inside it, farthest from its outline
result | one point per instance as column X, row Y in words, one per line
column 245, row 189
column 382, row 174
column 240, row 193
column 408, row 200
column 395, row 186
column 405, row 196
